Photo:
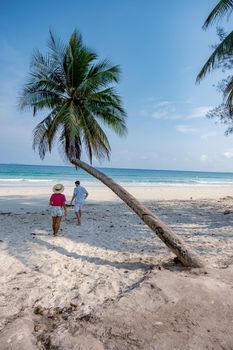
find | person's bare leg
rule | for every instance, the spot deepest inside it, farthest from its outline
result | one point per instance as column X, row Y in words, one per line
column 77, row 213
column 57, row 224
column 54, row 224
column 80, row 215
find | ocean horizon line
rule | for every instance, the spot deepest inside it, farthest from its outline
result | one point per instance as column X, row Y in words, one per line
column 121, row 168
column 23, row 173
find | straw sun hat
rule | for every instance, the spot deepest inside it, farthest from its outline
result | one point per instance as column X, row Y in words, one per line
column 58, row 188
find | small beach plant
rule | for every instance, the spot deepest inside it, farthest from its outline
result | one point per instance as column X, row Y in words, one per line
column 76, row 89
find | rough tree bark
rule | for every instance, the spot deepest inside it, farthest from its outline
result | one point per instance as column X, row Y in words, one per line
column 164, row 232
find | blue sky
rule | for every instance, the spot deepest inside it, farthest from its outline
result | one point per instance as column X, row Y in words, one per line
column 160, row 47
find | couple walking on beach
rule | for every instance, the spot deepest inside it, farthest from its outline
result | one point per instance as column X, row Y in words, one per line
column 58, row 203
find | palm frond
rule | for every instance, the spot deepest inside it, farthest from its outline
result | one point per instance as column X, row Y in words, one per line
column 44, row 134
column 220, row 10
column 100, row 76
column 48, row 68
column 95, row 140
column 45, row 131
column 56, row 47
column 228, row 94
column 44, row 88
column 107, row 97
column 93, row 136
column 224, row 49
column 68, row 147
column 107, row 107
column 77, row 60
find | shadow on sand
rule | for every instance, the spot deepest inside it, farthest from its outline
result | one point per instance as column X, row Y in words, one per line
column 116, row 228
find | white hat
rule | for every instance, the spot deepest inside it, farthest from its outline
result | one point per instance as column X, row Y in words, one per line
column 58, row 188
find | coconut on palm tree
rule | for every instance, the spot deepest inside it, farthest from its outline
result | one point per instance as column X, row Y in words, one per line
column 77, row 90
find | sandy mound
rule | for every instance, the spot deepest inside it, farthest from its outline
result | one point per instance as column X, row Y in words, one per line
column 164, row 310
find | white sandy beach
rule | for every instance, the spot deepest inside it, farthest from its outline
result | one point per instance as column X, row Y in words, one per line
column 110, row 283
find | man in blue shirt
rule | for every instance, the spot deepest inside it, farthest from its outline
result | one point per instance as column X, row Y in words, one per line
column 79, row 196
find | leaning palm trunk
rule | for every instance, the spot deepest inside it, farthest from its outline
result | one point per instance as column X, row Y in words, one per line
column 175, row 243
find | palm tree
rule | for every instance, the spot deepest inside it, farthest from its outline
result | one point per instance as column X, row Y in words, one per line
column 77, row 90
column 223, row 51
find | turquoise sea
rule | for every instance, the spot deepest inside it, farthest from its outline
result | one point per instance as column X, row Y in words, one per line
column 43, row 173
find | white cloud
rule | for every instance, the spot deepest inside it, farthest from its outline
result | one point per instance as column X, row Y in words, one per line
column 186, row 129
column 199, row 112
column 163, row 110
column 208, row 134
column 159, row 114
column 169, row 110
column 228, row 154
column 162, row 104
column 189, row 129
column 159, row 109
column 203, row 158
